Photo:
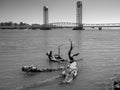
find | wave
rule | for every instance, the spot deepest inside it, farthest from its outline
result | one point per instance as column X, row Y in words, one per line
column 38, row 84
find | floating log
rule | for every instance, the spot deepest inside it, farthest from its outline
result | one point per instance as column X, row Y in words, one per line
column 35, row 69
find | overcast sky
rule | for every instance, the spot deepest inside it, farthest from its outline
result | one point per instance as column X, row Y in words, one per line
column 31, row 11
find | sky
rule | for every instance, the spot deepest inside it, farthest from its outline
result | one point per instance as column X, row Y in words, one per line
column 31, row 11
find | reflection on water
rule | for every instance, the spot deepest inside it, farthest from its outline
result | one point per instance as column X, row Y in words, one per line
column 100, row 51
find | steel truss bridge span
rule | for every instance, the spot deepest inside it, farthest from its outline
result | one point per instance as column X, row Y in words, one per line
column 72, row 24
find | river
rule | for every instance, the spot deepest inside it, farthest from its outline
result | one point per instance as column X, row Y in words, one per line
column 100, row 51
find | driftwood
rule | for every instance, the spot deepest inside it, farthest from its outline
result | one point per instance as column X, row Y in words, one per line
column 55, row 57
column 70, row 55
column 35, row 69
column 59, row 50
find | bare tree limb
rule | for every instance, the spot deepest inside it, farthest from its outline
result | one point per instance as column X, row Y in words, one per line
column 75, row 54
column 71, row 57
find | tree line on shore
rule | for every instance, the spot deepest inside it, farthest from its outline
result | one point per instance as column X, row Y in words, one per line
column 21, row 25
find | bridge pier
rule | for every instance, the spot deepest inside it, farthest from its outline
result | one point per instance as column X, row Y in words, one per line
column 45, row 27
column 80, row 27
column 100, row 28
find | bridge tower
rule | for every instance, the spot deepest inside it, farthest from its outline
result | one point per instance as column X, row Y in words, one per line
column 45, row 25
column 79, row 25
column 79, row 12
column 45, row 15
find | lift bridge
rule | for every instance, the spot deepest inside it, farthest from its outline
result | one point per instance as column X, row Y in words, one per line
column 78, row 25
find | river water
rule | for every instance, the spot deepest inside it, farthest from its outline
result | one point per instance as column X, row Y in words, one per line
column 100, row 51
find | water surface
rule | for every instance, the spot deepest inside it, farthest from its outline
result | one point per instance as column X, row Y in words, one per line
column 99, row 49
